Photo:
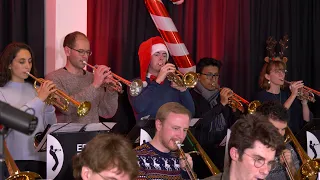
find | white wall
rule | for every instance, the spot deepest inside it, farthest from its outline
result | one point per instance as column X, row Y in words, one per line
column 61, row 18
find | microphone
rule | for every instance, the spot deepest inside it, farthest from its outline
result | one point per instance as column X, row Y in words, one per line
column 16, row 119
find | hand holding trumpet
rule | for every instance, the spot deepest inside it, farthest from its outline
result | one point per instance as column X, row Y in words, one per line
column 167, row 68
column 225, row 94
column 102, row 75
column 45, row 90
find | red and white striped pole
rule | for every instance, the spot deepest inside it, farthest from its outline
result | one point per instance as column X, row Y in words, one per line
column 170, row 34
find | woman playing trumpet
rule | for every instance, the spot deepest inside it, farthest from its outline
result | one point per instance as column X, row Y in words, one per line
column 158, row 90
column 272, row 80
column 17, row 90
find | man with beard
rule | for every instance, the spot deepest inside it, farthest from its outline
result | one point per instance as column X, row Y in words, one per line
column 83, row 85
column 159, row 159
column 215, row 115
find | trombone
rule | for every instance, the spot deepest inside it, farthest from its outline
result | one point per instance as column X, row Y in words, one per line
column 82, row 108
column 135, row 86
column 306, row 93
column 309, row 168
column 189, row 170
column 213, row 168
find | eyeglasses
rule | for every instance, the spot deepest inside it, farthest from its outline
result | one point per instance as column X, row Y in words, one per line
column 82, row 52
column 278, row 71
column 259, row 162
column 210, row 76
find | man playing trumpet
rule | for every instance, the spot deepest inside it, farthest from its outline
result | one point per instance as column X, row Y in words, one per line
column 154, row 69
column 83, row 85
column 215, row 115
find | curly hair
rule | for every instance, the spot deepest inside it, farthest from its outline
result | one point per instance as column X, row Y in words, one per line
column 105, row 152
column 6, row 58
column 274, row 110
column 251, row 128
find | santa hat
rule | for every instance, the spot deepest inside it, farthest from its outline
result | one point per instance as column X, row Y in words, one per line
column 146, row 50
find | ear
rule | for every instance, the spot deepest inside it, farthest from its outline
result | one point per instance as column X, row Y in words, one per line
column 67, row 50
column 267, row 76
column 234, row 154
column 158, row 124
column 85, row 173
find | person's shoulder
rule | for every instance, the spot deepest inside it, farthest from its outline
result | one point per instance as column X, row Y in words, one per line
column 142, row 149
column 56, row 73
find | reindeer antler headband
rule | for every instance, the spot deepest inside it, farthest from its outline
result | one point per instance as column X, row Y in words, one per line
column 271, row 44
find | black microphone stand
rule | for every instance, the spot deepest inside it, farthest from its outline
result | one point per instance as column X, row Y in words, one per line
column 3, row 132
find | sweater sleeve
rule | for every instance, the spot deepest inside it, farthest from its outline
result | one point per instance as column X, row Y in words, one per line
column 142, row 102
column 88, row 93
column 187, row 101
column 108, row 104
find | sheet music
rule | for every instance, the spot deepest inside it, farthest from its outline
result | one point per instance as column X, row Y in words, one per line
column 100, row 126
column 193, row 121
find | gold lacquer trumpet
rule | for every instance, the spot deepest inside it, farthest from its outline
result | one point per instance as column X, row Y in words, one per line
column 135, row 86
column 188, row 80
column 306, row 93
column 82, row 108
column 236, row 102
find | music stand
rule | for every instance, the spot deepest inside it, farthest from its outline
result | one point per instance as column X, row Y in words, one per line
column 145, row 123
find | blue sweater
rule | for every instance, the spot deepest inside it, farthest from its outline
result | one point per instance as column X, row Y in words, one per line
column 158, row 165
column 155, row 95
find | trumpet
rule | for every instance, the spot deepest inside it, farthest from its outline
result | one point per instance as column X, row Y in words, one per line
column 135, row 86
column 188, row 80
column 306, row 93
column 236, row 102
column 189, row 170
column 82, row 108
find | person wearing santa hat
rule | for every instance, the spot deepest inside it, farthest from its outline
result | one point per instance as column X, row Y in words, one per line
column 158, row 90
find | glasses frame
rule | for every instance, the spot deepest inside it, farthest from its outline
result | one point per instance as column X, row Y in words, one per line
column 262, row 161
column 278, row 71
column 82, row 52
column 211, row 76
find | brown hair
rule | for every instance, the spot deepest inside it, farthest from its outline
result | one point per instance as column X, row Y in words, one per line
column 263, row 82
column 71, row 38
column 251, row 128
column 6, row 58
column 107, row 151
column 173, row 107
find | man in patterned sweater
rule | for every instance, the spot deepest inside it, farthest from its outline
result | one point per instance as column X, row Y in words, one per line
column 278, row 116
column 159, row 159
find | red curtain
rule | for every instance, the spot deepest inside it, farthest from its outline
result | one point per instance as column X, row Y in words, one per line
column 209, row 28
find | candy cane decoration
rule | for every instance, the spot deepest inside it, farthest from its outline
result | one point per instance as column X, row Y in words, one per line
column 169, row 33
